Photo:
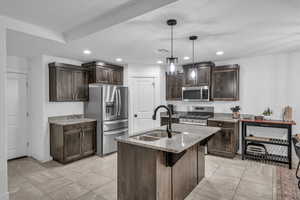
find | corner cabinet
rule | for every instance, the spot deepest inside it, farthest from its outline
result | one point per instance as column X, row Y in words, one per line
column 174, row 87
column 225, row 83
column 72, row 142
column 198, row 74
column 68, row 83
column 105, row 73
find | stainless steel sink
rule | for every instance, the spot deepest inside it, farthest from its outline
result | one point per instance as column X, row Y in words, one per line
column 161, row 133
column 146, row 138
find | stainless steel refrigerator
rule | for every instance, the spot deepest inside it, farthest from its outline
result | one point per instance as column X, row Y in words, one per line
column 109, row 105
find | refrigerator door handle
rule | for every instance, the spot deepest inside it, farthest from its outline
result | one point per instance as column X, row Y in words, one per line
column 117, row 103
column 115, row 121
column 120, row 102
column 115, row 132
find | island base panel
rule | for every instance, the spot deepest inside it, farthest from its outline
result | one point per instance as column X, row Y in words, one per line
column 143, row 173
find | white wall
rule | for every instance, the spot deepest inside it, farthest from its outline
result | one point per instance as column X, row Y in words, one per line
column 17, row 64
column 3, row 127
column 265, row 81
column 135, row 70
column 41, row 108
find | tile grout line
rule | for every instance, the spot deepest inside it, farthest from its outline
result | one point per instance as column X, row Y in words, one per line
column 239, row 182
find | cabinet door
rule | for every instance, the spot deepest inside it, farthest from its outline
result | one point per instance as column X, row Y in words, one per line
column 174, row 87
column 80, row 85
column 225, row 84
column 103, row 75
column 222, row 143
column 190, row 76
column 64, row 85
column 72, row 144
column 203, row 76
column 88, row 140
column 117, row 77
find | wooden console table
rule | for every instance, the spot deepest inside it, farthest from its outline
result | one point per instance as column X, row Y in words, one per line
column 286, row 159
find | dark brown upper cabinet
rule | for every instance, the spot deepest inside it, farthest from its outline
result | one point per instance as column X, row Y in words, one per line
column 100, row 72
column 225, row 83
column 68, row 83
column 198, row 74
column 174, row 87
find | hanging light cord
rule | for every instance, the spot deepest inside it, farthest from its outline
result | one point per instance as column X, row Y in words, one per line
column 172, row 41
column 193, row 52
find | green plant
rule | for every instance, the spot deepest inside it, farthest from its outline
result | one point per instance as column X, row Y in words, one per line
column 268, row 112
column 235, row 109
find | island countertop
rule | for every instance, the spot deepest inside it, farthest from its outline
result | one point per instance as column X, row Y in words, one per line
column 191, row 135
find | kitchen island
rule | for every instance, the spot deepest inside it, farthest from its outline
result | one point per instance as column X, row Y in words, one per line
column 152, row 166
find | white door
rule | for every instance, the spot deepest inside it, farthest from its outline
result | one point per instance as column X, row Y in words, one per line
column 16, row 101
column 143, row 98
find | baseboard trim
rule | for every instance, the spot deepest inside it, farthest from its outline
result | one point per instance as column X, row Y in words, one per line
column 4, row 196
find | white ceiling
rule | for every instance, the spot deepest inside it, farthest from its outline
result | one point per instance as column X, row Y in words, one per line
column 59, row 15
column 238, row 27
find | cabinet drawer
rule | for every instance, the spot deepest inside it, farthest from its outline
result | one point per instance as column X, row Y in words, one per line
column 220, row 124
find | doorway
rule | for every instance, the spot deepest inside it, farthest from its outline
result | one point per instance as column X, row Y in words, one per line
column 143, row 97
column 16, row 100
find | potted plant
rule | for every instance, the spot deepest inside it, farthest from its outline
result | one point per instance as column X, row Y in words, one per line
column 235, row 112
column 267, row 113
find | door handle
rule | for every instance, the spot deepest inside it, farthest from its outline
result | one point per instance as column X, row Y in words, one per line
column 135, row 115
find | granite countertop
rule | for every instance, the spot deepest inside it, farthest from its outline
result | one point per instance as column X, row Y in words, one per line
column 225, row 117
column 191, row 135
column 72, row 121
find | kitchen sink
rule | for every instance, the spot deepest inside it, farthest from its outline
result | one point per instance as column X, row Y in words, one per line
column 161, row 133
column 146, row 138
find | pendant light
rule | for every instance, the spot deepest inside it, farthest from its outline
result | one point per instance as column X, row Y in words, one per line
column 193, row 73
column 172, row 61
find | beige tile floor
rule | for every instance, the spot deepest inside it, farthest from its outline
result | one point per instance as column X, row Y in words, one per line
column 94, row 178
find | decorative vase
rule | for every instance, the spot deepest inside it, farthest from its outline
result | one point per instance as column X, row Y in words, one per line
column 236, row 115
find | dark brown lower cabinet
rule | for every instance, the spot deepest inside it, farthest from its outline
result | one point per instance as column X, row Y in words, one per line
column 88, row 135
column 72, row 142
column 226, row 141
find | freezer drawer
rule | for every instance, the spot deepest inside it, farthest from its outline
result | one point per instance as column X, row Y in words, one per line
column 109, row 143
column 116, row 124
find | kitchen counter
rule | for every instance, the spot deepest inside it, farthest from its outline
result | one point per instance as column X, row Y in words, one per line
column 190, row 136
column 71, row 121
column 224, row 117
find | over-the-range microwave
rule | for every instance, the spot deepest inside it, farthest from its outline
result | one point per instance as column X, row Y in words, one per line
column 200, row 93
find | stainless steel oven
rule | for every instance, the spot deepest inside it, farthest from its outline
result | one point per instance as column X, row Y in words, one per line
column 200, row 93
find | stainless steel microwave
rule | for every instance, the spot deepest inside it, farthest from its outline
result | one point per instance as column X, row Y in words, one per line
column 200, row 93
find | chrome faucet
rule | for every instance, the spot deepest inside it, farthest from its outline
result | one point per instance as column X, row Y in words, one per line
column 169, row 127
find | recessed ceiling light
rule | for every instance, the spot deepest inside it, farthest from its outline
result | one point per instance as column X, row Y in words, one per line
column 186, row 58
column 159, row 62
column 119, row 59
column 219, row 53
column 87, row 52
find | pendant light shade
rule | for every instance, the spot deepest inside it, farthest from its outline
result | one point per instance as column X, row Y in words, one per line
column 172, row 61
column 193, row 38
